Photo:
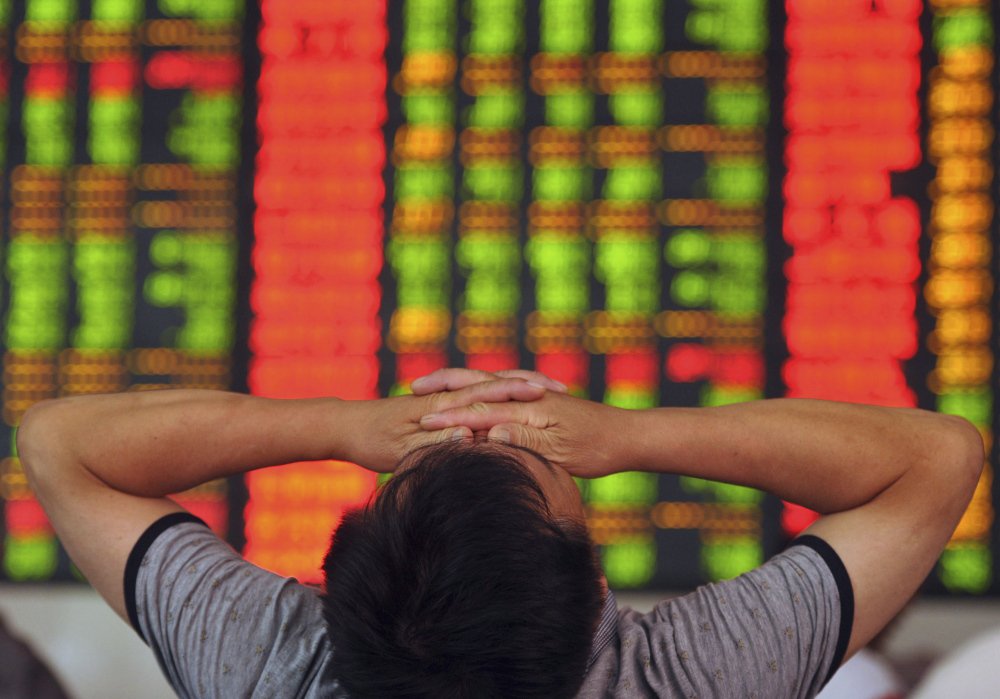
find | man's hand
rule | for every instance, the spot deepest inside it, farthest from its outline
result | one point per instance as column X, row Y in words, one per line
column 587, row 439
column 383, row 431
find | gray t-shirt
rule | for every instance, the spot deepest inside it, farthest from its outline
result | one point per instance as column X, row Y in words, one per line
column 222, row 627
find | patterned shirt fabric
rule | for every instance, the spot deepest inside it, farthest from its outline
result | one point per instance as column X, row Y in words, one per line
column 780, row 630
column 222, row 627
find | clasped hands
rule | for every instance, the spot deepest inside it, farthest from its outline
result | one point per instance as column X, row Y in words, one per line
column 517, row 407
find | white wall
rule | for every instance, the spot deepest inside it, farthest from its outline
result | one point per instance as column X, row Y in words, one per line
column 94, row 654
column 97, row 656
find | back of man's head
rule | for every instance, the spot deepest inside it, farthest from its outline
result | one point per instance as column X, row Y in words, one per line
column 455, row 581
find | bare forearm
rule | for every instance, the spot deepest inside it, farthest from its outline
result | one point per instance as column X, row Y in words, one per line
column 156, row 443
column 826, row 456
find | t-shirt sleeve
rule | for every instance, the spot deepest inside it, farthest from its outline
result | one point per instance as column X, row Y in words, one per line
column 780, row 630
column 218, row 625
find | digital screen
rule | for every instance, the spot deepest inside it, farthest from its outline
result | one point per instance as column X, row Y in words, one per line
column 120, row 144
column 317, row 254
column 959, row 293
column 656, row 202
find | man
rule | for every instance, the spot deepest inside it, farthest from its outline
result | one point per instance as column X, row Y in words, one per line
column 891, row 484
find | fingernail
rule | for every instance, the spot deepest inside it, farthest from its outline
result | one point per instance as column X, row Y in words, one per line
column 502, row 436
column 417, row 383
column 457, row 436
column 561, row 386
column 430, row 417
column 535, row 384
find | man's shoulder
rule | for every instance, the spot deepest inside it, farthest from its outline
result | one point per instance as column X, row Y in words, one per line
column 745, row 633
column 222, row 626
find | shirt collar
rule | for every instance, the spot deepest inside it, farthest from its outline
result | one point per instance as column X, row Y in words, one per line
column 607, row 629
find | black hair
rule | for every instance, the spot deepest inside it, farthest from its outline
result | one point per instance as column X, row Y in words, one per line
column 456, row 581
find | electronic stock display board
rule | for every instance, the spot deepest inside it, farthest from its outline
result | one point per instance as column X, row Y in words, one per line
column 657, row 202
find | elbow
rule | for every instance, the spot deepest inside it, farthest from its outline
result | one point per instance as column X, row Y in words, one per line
column 972, row 450
column 962, row 456
column 33, row 439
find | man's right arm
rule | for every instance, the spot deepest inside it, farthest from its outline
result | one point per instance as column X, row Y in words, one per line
column 891, row 483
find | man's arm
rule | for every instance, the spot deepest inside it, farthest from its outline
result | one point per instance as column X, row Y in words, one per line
column 892, row 483
column 101, row 466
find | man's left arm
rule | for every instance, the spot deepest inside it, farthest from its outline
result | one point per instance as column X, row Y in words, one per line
column 102, row 466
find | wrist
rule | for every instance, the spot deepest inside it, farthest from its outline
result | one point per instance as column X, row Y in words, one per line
column 324, row 427
column 627, row 432
column 654, row 439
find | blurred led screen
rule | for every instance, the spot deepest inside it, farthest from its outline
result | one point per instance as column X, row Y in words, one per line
column 657, row 202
